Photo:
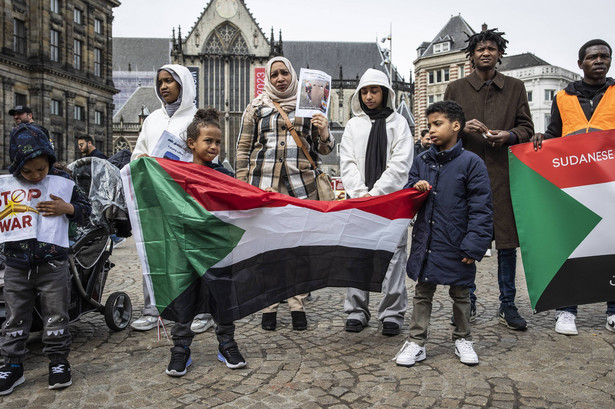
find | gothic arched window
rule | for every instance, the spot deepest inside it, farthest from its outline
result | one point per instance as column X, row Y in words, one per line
column 213, row 45
column 239, row 46
column 226, row 39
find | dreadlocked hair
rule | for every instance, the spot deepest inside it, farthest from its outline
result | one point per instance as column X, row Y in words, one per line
column 203, row 118
column 487, row 35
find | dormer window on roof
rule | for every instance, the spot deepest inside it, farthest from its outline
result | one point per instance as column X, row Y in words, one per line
column 441, row 47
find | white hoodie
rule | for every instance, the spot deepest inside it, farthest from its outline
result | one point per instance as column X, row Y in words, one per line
column 400, row 146
column 159, row 121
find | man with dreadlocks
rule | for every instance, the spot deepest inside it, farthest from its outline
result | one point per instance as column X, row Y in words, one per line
column 498, row 116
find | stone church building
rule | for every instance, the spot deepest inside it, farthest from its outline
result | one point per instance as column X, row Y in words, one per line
column 226, row 50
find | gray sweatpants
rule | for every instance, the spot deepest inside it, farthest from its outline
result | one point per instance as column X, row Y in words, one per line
column 393, row 306
column 52, row 280
column 148, row 307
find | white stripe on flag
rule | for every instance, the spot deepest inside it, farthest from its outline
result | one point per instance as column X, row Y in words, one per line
column 135, row 224
column 599, row 198
column 273, row 228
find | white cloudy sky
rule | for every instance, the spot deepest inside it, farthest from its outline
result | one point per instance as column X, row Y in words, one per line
column 553, row 30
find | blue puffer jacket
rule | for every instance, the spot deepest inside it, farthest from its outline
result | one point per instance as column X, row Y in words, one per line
column 455, row 220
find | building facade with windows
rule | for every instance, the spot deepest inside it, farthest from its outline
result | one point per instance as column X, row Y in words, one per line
column 542, row 81
column 227, row 51
column 55, row 57
column 443, row 60
column 439, row 62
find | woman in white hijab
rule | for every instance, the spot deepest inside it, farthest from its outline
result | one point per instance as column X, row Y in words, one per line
column 269, row 158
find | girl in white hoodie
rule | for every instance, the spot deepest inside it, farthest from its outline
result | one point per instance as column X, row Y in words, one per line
column 375, row 157
column 176, row 91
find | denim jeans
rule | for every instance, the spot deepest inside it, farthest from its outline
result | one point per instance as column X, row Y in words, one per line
column 472, row 288
column 610, row 308
column 507, row 267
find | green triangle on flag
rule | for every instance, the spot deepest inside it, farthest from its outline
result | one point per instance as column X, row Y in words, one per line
column 182, row 240
column 550, row 223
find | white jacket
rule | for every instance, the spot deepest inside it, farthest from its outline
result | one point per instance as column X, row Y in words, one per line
column 353, row 147
column 159, row 121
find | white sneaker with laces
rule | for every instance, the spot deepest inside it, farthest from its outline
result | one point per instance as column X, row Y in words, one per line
column 610, row 322
column 145, row 323
column 201, row 325
column 410, row 353
column 565, row 323
column 465, row 351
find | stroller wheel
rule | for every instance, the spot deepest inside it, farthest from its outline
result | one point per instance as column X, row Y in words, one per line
column 118, row 311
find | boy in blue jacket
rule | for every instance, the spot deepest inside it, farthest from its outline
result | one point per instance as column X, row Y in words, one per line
column 34, row 266
column 453, row 229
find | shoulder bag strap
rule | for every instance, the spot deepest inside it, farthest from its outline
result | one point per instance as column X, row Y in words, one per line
column 293, row 132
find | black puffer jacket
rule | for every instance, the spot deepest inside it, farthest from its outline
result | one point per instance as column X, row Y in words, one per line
column 26, row 143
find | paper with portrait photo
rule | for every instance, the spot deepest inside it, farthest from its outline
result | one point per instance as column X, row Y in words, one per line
column 172, row 147
column 314, row 93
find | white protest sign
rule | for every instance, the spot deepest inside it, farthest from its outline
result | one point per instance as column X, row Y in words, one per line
column 19, row 219
column 170, row 146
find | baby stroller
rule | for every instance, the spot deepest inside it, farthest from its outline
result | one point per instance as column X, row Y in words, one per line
column 91, row 246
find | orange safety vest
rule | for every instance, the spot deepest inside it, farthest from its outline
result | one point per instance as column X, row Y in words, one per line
column 574, row 120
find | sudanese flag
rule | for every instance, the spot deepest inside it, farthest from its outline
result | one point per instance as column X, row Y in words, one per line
column 210, row 243
column 563, row 197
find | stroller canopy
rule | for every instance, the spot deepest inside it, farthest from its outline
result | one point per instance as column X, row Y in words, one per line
column 101, row 181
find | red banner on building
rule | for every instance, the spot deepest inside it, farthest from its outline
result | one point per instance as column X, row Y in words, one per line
column 259, row 81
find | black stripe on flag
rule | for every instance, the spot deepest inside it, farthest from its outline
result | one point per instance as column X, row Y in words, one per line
column 244, row 288
column 582, row 280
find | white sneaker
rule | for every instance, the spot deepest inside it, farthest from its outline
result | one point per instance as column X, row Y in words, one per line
column 410, row 353
column 119, row 243
column 610, row 322
column 145, row 323
column 201, row 325
column 465, row 351
column 565, row 323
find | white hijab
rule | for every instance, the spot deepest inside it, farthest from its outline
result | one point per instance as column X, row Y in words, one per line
column 286, row 99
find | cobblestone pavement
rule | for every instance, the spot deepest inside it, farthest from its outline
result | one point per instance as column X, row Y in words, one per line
column 328, row 367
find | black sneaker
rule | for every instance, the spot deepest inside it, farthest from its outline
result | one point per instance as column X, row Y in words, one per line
column 390, row 328
column 59, row 374
column 230, row 355
column 472, row 316
column 180, row 361
column 511, row 318
column 353, row 325
column 299, row 320
column 11, row 375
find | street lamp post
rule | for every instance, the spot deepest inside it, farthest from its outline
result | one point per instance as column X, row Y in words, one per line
column 390, row 53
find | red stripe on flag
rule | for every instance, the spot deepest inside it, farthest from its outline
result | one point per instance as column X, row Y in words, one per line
column 576, row 160
column 218, row 192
